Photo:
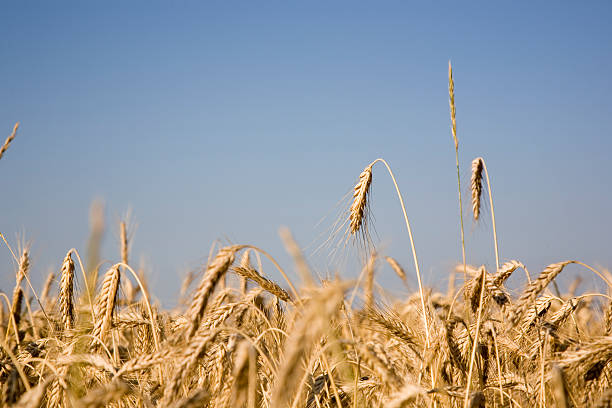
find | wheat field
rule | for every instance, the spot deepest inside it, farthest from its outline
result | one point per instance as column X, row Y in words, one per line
column 239, row 339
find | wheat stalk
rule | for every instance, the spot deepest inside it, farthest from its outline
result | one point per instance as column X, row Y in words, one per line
column 467, row 401
column 357, row 215
column 451, row 102
column 369, row 281
column 314, row 322
column 96, row 223
column 44, row 296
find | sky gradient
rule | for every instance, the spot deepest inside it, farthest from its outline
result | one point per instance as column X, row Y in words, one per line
column 227, row 120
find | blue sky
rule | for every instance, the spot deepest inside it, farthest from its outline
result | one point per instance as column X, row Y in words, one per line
column 226, row 120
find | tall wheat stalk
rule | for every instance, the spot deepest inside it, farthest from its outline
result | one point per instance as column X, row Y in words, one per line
column 478, row 166
column 466, row 401
column 358, row 215
column 451, row 100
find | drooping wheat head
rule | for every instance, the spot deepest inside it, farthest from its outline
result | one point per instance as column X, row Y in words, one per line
column 477, row 167
column 358, row 211
column 8, row 140
column 270, row 286
column 397, row 268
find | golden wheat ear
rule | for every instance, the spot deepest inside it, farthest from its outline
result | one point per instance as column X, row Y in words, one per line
column 8, row 140
column 105, row 304
column 358, row 213
column 66, row 296
column 477, row 166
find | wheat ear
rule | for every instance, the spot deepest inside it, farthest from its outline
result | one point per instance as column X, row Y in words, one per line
column 96, row 222
column 44, row 296
column 124, row 242
column 605, row 401
column 608, row 319
column 214, row 272
column 245, row 262
column 397, row 268
column 250, row 273
column 467, row 403
column 505, row 271
column 106, row 303
column 66, row 294
column 307, row 330
column 358, row 215
column 478, row 167
column 130, row 290
column 533, row 290
column 8, row 140
column 24, row 267
column 369, row 281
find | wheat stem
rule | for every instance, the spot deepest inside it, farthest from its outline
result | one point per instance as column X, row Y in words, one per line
column 451, row 93
column 475, row 343
column 414, row 255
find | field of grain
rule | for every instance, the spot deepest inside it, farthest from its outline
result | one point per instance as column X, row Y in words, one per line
column 239, row 339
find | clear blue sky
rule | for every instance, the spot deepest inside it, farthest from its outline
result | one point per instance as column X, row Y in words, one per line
column 225, row 120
